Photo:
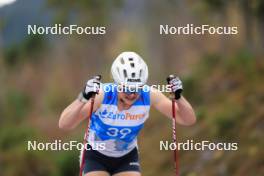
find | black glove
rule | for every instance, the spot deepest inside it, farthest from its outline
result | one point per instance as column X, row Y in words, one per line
column 176, row 86
column 91, row 88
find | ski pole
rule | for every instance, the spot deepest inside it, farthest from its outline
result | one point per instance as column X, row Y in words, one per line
column 87, row 130
column 176, row 159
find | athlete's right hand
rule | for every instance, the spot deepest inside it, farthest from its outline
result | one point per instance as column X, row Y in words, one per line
column 91, row 88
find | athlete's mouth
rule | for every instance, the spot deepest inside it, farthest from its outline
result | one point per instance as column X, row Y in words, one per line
column 124, row 101
column 127, row 100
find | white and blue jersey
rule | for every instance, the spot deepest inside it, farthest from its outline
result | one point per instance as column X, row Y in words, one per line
column 118, row 130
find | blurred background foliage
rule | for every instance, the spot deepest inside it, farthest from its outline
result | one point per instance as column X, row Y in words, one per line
column 222, row 75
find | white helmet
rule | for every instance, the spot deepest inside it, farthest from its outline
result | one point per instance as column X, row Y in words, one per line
column 129, row 69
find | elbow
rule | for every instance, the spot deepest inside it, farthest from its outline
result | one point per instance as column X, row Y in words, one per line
column 192, row 120
column 189, row 120
column 63, row 125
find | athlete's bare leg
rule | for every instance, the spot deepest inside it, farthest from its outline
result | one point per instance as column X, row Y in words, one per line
column 97, row 173
column 129, row 173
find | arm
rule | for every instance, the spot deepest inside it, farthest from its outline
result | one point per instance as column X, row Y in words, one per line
column 184, row 111
column 77, row 111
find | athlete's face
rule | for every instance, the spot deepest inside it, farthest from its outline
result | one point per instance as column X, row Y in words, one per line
column 127, row 99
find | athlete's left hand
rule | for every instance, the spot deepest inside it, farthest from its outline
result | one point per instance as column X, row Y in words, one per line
column 176, row 86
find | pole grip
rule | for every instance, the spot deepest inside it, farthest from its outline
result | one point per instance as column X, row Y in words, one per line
column 169, row 78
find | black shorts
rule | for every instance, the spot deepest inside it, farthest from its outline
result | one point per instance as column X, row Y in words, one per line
column 95, row 161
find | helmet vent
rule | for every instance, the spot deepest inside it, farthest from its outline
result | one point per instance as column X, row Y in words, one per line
column 122, row 60
column 125, row 73
column 133, row 75
column 130, row 59
column 140, row 73
column 132, row 65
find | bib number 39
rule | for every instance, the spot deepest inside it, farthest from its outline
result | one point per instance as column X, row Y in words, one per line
column 122, row 133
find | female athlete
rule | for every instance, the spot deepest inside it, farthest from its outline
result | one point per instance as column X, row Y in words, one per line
column 119, row 113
